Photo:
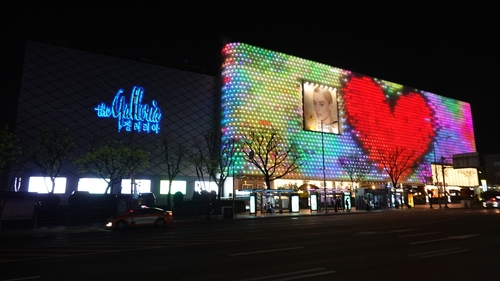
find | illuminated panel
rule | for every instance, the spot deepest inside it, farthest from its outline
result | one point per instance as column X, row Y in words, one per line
column 177, row 186
column 132, row 115
column 43, row 185
column 263, row 89
column 142, row 186
column 384, row 117
column 320, row 108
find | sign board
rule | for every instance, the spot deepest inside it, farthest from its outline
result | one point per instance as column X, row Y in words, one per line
column 253, row 208
column 295, row 203
column 314, row 201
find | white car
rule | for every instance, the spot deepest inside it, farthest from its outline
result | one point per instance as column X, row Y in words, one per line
column 491, row 203
column 141, row 217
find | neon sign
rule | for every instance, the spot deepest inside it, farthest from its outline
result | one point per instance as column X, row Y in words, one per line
column 132, row 114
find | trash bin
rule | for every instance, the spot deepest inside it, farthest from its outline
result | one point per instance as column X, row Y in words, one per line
column 227, row 212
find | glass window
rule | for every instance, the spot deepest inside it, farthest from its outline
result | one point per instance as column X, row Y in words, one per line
column 92, row 185
column 143, row 186
column 44, row 185
column 176, row 186
column 208, row 186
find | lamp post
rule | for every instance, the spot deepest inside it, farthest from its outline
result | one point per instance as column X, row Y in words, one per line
column 234, row 197
column 373, row 197
column 436, row 171
column 444, row 184
column 233, row 150
column 324, row 168
column 430, row 197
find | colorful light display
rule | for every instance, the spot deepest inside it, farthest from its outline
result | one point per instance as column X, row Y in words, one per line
column 263, row 89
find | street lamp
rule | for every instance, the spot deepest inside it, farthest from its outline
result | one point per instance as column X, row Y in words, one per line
column 233, row 151
column 324, row 168
column 373, row 197
column 444, row 184
column 436, row 171
column 430, row 198
column 436, row 174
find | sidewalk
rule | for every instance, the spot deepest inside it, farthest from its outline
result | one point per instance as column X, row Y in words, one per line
column 10, row 228
column 308, row 212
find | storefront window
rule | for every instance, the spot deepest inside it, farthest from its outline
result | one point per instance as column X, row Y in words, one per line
column 44, row 185
column 92, row 185
column 176, row 186
column 143, row 186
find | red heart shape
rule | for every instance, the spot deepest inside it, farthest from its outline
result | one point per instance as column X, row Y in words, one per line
column 381, row 127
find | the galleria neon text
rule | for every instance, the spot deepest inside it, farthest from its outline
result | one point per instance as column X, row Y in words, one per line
column 132, row 114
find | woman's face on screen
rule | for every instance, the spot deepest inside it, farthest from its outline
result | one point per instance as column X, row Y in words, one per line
column 322, row 107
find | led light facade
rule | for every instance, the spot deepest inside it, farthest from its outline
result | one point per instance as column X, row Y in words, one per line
column 265, row 89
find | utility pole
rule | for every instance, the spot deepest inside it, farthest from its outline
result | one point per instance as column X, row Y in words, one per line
column 436, row 183
column 324, row 167
column 444, row 184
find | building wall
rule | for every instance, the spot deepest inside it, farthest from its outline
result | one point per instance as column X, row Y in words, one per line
column 267, row 89
column 62, row 87
column 492, row 168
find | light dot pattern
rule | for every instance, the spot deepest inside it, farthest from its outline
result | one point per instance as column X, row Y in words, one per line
column 263, row 89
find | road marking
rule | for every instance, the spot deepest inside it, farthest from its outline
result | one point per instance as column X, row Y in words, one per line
column 439, row 253
column 267, row 251
column 23, row 278
column 295, row 275
column 420, row 234
column 307, row 275
column 444, row 239
column 402, row 230
column 378, row 232
column 365, row 233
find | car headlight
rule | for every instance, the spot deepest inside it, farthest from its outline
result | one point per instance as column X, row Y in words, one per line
column 109, row 224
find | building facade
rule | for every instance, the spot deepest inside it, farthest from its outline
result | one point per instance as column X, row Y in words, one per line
column 93, row 96
column 263, row 88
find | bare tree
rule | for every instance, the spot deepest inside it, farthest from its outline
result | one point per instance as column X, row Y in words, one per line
column 468, row 173
column 52, row 149
column 214, row 158
column 112, row 162
column 9, row 149
column 222, row 153
column 397, row 162
column 198, row 156
column 356, row 167
column 173, row 156
column 269, row 152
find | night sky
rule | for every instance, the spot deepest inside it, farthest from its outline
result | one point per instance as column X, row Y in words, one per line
column 449, row 50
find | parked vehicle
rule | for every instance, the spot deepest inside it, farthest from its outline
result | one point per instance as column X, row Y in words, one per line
column 148, row 199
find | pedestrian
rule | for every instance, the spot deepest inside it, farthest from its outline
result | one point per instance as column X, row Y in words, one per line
column 269, row 208
column 347, row 205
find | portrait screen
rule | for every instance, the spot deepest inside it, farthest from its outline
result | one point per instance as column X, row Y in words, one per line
column 320, row 108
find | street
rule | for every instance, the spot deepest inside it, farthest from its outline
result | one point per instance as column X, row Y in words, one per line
column 387, row 245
